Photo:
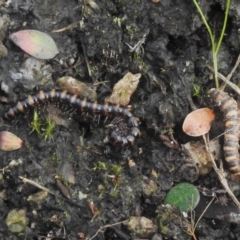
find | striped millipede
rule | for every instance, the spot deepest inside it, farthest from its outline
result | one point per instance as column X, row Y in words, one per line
column 231, row 122
column 125, row 129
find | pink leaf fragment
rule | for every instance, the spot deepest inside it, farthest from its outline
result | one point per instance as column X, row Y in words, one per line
column 36, row 43
column 198, row 122
column 9, row 141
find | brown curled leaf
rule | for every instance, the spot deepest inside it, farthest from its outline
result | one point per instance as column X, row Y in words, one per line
column 123, row 89
column 63, row 189
column 198, row 122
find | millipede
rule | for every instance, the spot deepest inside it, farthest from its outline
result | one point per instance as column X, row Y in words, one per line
column 125, row 126
column 229, row 107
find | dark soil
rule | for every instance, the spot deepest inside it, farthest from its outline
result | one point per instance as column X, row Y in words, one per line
column 173, row 56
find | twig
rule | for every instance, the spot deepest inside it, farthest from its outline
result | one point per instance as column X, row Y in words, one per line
column 89, row 150
column 230, row 84
column 68, row 27
column 191, row 227
column 26, row 180
column 229, row 76
column 227, row 79
column 138, row 46
column 200, row 217
column 106, row 226
column 86, row 59
column 220, row 172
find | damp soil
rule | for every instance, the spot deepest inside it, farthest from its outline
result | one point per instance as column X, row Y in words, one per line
column 92, row 184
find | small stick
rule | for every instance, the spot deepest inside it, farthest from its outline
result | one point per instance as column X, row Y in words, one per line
column 26, row 180
column 229, row 76
column 220, row 172
column 106, row 226
column 227, row 79
column 230, row 84
column 86, row 59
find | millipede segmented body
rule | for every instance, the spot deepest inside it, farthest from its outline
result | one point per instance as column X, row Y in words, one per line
column 125, row 128
column 231, row 122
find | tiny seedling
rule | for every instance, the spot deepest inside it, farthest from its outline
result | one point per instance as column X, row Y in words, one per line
column 100, row 166
column 111, row 169
column 116, row 169
column 53, row 159
column 30, row 148
column 48, row 130
column 66, row 214
column 36, row 123
column 113, row 172
column 43, row 127
column 215, row 45
column 197, row 89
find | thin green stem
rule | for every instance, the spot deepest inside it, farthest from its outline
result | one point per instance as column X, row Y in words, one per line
column 205, row 23
column 215, row 49
column 224, row 26
column 215, row 67
column 212, row 42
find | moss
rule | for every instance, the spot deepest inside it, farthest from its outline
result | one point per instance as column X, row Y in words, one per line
column 44, row 127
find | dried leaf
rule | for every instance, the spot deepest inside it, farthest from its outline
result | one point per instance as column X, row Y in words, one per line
column 124, row 89
column 141, row 227
column 67, row 173
column 198, row 122
column 36, row 200
column 3, row 50
column 200, row 156
column 63, row 189
column 36, row 43
column 9, row 141
column 77, row 87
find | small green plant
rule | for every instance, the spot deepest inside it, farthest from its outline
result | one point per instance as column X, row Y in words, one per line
column 66, row 214
column 129, row 29
column 197, row 89
column 54, row 158
column 111, row 169
column 100, row 166
column 116, row 169
column 60, row 202
column 215, row 45
column 36, row 123
column 43, row 127
column 114, row 175
column 30, row 148
column 48, row 130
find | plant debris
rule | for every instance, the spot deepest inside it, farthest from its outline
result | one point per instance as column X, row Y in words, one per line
column 36, row 43
column 9, row 141
column 123, row 89
column 198, row 122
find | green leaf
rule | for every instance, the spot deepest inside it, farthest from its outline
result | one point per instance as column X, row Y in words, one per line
column 184, row 196
column 36, row 43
